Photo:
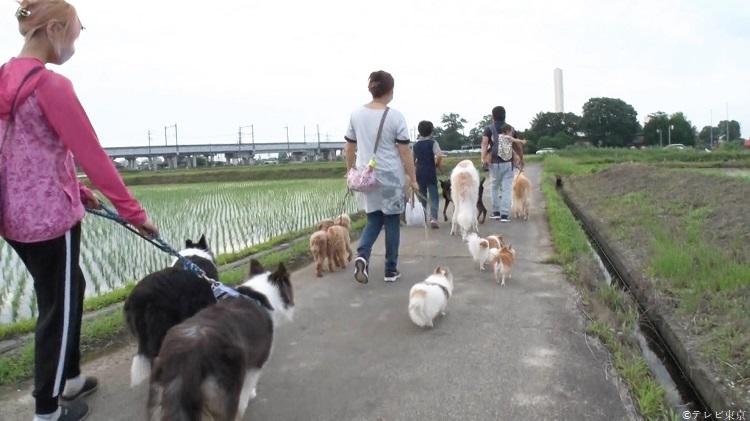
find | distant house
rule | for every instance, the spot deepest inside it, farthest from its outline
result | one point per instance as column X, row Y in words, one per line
column 747, row 143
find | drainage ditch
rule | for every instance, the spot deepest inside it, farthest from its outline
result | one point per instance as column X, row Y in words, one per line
column 681, row 393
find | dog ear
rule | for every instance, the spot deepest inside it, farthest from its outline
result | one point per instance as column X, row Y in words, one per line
column 202, row 243
column 281, row 272
column 189, row 244
column 439, row 270
column 281, row 279
column 256, row 268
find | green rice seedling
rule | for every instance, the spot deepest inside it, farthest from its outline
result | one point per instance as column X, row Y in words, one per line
column 235, row 216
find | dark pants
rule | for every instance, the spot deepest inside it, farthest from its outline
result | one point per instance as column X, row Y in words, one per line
column 59, row 287
column 375, row 222
column 431, row 188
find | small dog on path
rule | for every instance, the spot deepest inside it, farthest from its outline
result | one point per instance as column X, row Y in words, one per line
column 319, row 246
column 339, row 242
column 502, row 260
column 480, row 247
column 521, row 192
column 429, row 298
column 446, row 188
column 481, row 209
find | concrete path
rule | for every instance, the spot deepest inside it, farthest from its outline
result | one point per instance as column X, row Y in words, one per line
column 517, row 352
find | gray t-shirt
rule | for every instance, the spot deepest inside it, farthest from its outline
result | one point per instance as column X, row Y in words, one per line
column 389, row 170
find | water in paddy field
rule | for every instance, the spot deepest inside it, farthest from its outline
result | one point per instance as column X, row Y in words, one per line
column 234, row 216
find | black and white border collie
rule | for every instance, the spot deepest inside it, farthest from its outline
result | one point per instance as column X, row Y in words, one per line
column 163, row 299
column 209, row 365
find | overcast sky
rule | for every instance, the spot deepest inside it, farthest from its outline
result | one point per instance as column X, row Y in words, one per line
column 213, row 66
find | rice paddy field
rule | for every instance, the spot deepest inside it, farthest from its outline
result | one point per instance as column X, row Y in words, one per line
column 233, row 215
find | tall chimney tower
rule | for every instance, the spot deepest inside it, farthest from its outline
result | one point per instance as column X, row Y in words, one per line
column 559, row 101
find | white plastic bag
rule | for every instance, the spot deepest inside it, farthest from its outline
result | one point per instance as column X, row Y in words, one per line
column 415, row 216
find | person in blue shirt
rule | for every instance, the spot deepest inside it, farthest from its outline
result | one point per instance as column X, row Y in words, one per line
column 427, row 155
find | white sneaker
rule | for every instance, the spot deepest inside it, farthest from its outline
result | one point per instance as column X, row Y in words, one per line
column 360, row 270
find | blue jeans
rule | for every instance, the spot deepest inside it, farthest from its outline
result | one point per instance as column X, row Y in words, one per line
column 502, row 186
column 431, row 188
column 375, row 222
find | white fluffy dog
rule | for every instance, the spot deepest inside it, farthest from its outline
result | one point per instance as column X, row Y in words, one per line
column 479, row 249
column 464, row 194
column 430, row 297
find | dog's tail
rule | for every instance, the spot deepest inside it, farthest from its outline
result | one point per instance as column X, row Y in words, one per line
column 473, row 242
column 140, row 369
column 417, row 312
column 175, row 391
column 465, row 216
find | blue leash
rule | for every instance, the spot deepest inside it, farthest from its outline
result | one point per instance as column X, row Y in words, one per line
column 219, row 290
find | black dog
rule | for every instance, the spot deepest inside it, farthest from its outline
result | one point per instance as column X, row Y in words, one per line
column 482, row 211
column 446, row 185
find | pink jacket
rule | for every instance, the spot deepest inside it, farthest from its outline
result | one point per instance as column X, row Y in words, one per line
column 40, row 195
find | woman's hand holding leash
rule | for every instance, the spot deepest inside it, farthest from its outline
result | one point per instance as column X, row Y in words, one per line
column 148, row 229
column 91, row 202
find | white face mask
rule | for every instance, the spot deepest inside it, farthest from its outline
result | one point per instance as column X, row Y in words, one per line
column 64, row 54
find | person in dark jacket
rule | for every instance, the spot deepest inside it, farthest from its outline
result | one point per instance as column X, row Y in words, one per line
column 427, row 154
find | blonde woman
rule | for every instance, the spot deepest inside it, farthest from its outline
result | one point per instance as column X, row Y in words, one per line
column 43, row 127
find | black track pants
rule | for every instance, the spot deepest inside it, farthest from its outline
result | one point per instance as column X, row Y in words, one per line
column 59, row 287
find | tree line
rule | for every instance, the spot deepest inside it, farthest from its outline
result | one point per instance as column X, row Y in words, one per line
column 605, row 122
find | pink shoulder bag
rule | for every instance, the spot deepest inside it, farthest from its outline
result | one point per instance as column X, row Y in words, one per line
column 364, row 180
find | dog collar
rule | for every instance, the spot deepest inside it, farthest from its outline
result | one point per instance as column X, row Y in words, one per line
column 445, row 290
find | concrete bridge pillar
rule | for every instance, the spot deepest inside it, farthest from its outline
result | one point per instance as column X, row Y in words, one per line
column 131, row 164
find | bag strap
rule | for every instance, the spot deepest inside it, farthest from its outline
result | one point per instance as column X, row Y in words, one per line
column 495, row 133
column 380, row 131
column 14, row 103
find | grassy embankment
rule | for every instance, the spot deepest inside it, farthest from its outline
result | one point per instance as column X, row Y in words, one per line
column 612, row 314
column 708, row 283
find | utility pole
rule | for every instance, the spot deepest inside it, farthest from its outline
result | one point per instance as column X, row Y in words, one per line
column 660, row 142
column 176, row 143
column 669, row 134
column 150, row 158
column 239, row 141
column 287, row 138
column 711, row 130
column 304, row 134
column 317, row 128
column 728, row 122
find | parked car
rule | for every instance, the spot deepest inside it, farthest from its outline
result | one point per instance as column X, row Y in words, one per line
column 545, row 151
column 678, row 146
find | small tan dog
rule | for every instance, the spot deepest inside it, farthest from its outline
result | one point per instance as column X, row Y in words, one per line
column 521, row 193
column 339, row 241
column 319, row 246
column 502, row 262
